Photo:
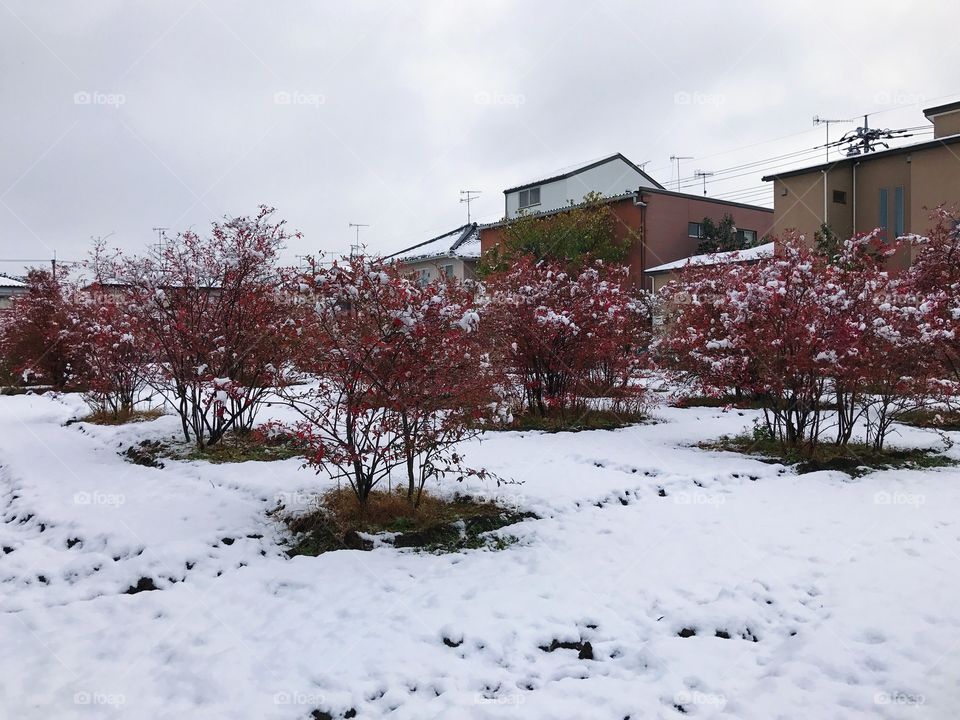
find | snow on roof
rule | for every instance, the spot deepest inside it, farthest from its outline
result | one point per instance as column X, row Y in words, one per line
column 750, row 254
column 9, row 282
column 463, row 242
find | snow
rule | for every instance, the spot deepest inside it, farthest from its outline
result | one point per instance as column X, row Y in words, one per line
column 750, row 254
column 849, row 586
column 9, row 282
column 463, row 242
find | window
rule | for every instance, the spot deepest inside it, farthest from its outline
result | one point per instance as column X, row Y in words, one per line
column 694, row 230
column 446, row 270
column 529, row 197
column 423, row 277
column 840, row 196
column 898, row 211
column 883, row 208
column 747, row 238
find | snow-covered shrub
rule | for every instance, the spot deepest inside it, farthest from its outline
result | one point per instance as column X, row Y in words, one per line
column 400, row 374
column 564, row 334
column 39, row 340
column 215, row 319
column 800, row 329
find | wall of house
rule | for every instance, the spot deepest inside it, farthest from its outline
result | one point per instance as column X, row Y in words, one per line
column 661, row 227
column 929, row 177
column 667, row 216
column 612, row 178
column 463, row 269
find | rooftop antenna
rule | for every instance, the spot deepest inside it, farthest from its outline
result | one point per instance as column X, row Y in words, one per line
column 467, row 196
column 643, row 165
column 704, row 175
column 865, row 139
column 817, row 120
column 678, row 158
column 355, row 247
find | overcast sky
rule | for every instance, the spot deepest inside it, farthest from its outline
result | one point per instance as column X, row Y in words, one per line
column 120, row 117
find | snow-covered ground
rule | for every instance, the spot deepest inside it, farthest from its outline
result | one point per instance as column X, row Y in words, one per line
column 841, row 597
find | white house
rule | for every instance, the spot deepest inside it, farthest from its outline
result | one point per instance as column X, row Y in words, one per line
column 609, row 176
column 453, row 254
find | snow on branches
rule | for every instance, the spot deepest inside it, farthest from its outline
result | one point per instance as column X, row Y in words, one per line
column 567, row 334
column 400, row 374
column 799, row 328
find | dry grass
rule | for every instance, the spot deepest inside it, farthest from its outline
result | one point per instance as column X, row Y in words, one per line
column 109, row 418
column 855, row 459
column 438, row 524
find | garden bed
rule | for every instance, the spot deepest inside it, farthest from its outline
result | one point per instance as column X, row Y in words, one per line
column 855, row 459
column 233, row 448
column 438, row 525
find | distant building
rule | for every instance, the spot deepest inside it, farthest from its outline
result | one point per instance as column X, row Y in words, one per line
column 894, row 190
column 9, row 289
column 661, row 275
column 666, row 225
column 610, row 176
column 453, row 254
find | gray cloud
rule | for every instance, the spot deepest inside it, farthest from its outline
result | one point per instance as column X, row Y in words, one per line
column 121, row 117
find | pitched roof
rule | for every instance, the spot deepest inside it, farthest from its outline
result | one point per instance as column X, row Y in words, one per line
column 749, row 255
column 566, row 208
column 581, row 168
column 463, row 242
column 9, row 282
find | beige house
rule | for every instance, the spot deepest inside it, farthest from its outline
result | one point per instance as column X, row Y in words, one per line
column 894, row 190
column 453, row 254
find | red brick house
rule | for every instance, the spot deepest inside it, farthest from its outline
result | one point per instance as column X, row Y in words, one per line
column 666, row 225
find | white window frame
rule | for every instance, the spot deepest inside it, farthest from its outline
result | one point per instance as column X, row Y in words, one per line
column 532, row 196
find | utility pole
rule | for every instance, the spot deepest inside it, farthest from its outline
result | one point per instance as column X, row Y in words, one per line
column 355, row 248
column 817, row 120
column 467, row 196
column 678, row 158
column 704, row 175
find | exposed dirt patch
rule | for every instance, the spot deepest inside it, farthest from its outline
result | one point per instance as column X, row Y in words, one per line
column 437, row 525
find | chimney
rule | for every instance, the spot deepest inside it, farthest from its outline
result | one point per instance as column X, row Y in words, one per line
column 945, row 119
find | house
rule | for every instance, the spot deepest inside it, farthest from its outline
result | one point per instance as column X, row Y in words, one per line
column 452, row 254
column 664, row 225
column 609, row 176
column 894, row 190
column 661, row 275
column 9, row 289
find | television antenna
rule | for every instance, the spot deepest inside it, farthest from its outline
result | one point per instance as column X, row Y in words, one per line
column 355, row 247
column 865, row 139
column 468, row 196
column 817, row 120
column 677, row 159
column 704, row 175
